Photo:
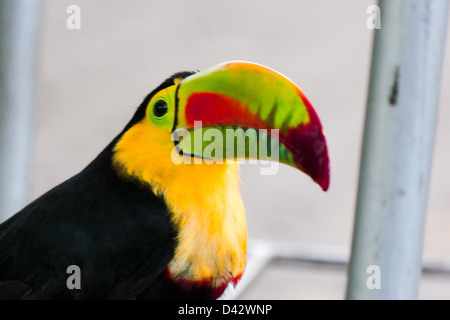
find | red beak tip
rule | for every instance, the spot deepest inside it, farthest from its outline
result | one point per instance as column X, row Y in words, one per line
column 324, row 180
column 324, row 185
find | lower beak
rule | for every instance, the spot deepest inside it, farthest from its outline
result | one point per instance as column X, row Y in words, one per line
column 242, row 110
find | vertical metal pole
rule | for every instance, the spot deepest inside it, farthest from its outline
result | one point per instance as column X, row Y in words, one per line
column 19, row 26
column 397, row 150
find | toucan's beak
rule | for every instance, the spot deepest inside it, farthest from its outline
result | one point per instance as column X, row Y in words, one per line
column 247, row 96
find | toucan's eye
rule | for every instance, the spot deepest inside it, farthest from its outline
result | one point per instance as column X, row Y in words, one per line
column 160, row 108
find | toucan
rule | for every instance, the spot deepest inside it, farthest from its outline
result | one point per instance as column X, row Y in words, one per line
column 138, row 223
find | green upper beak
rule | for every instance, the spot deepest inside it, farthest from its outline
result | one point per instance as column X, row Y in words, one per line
column 253, row 101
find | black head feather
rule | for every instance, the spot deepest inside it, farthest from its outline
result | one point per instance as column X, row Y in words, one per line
column 140, row 112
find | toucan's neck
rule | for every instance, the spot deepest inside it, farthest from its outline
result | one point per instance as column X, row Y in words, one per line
column 206, row 206
column 204, row 203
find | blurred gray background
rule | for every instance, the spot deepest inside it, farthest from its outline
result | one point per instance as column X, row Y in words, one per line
column 90, row 82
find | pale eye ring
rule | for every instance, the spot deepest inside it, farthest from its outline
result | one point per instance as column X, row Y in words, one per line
column 160, row 108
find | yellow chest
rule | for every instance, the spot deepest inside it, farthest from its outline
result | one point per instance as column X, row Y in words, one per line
column 212, row 238
column 204, row 202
